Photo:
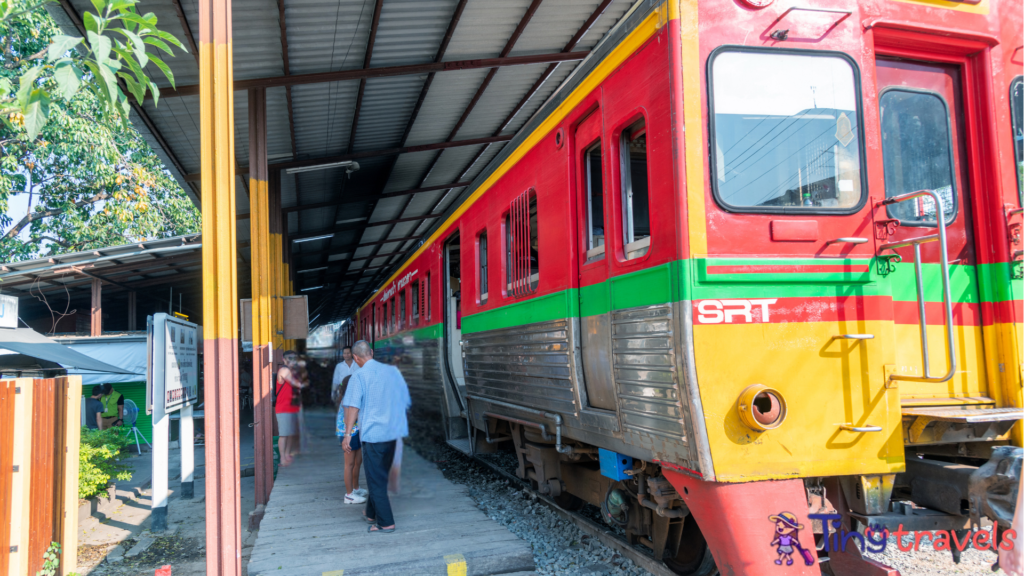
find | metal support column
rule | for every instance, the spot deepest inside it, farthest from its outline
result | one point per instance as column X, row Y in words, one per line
column 220, row 289
column 278, row 237
column 262, row 310
column 132, row 311
column 96, row 312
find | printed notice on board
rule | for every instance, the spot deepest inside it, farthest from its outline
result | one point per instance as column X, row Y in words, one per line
column 181, row 359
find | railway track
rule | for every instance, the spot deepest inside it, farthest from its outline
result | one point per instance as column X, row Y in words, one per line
column 586, row 525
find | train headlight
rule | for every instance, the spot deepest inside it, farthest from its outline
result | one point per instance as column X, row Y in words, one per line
column 761, row 408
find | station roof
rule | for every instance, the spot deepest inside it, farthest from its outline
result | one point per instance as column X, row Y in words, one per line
column 148, row 268
column 423, row 94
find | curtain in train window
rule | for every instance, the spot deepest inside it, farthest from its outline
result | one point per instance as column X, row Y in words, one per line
column 595, row 202
column 917, row 153
column 415, row 303
column 1017, row 119
column 481, row 256
column 636, row 218
column 786, row 135
column 522, row 269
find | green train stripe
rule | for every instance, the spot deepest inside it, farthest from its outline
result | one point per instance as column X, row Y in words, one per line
column 689, row 280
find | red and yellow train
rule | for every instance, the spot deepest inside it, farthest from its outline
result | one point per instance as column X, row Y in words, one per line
column 752, row 261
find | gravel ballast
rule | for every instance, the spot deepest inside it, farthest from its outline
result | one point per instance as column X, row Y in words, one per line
column 561, row 548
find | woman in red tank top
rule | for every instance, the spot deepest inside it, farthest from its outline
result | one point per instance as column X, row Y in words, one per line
column 289, row 399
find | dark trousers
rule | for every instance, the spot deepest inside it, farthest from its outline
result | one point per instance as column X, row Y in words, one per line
column 377, row 459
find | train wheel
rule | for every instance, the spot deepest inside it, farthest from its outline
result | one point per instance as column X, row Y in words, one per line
column 693, row 557
column 569, row 502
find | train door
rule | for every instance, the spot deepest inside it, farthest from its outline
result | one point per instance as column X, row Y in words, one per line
column 595, row 317
column 923, row 148
column 453, row 313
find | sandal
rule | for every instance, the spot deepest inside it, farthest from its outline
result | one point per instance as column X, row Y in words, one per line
column 379, row 529
column 369, row 520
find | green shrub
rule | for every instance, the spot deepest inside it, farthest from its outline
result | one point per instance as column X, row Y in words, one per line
column 99, row 460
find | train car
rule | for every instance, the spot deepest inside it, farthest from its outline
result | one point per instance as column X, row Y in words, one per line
column 749, row 281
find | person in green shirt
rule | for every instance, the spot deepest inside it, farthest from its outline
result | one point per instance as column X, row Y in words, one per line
column 113, row 407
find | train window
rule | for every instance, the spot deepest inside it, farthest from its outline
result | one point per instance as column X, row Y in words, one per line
column 402, row 319
column 481, row 256
column 636, row 218
column 394, row 325
column 917, row 154
column 415, row 293
column 595, row 202
column 1017, row 119
column 522, row 267
column 426, row 297
column 786, row 131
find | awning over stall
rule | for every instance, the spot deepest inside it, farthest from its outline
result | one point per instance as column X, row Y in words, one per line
column 31, row 343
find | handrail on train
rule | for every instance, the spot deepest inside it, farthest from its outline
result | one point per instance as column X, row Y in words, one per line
column 940, row 219
column 559, row 447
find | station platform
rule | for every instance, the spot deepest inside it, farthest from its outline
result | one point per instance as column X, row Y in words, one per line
column 307, row 528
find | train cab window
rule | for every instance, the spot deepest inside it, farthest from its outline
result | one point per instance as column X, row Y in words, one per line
column 415, row 293
column 786, row 133
column 917, row 154
column 522, row 266
column 595, row 202
column 481, row 256
column 1017, row 119
column 636, row 218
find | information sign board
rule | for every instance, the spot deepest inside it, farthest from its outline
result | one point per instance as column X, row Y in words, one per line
column 175, row 362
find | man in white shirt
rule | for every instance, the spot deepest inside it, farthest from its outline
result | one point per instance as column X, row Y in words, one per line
column 346, row 367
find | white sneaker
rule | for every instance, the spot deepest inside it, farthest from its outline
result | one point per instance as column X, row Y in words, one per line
column 361, row 492
column 354, row 498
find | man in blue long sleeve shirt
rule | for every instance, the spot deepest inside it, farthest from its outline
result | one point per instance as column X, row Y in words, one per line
column 378, row 398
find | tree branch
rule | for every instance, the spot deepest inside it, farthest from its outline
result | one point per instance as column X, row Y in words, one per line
column 32, row 217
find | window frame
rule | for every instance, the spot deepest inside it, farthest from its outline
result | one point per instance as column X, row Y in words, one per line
column 1016, row 114
column 482, row 285
column 594, row 253
column 414, row 303
column 426, row 298
column 625, row 181
column 952, row 156
column 712, row 136
column 510, row 288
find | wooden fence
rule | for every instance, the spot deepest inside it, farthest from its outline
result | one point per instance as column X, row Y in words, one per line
column 40, row 423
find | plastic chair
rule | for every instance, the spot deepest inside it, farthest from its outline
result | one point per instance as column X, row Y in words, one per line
column 131, row 414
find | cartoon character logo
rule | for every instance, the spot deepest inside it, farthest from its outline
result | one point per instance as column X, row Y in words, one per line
column 787, row 540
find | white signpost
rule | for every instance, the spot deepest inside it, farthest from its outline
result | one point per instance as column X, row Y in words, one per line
column 173, row 385
column 8, row 311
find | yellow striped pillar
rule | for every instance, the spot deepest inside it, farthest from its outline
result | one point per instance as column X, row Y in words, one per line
column 220, row 289
column 277, row 239
column 262, row 310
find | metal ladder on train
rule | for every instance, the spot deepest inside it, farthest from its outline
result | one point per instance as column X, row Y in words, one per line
column 943, row 423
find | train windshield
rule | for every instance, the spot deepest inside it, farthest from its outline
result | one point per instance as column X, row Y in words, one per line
column 785, row 132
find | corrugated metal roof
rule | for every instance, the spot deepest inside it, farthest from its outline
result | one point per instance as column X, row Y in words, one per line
column 332, row 36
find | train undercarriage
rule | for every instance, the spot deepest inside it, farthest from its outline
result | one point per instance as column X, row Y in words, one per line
column 961, row 489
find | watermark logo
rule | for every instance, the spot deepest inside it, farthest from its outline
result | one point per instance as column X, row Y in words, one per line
column 787, row 539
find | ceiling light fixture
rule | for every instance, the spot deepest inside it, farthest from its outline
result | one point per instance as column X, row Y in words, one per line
column 349, row 166
column 310, row 288
column 312, row 270
column 312, row 238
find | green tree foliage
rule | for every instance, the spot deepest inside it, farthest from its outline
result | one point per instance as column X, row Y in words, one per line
column 65, row 140
column 99, row 460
